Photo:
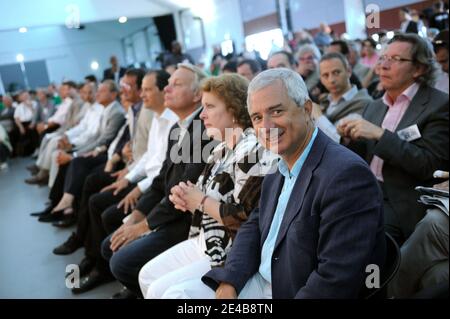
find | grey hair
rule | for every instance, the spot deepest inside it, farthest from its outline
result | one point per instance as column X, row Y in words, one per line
column 308, row 48
column 112, row 86
column 199, row 75
column 292, row 81
column 353, row 46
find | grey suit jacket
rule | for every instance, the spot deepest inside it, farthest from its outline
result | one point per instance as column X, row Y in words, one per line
column 409, row 164
column 72, row 116
column 112, row 119
column 355, row 105
column 139, row 134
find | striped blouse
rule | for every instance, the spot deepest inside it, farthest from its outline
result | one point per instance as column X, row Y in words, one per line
column 233, row 177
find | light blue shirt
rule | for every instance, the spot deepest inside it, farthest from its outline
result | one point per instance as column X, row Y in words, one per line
column 265, row 269
column 349, row 95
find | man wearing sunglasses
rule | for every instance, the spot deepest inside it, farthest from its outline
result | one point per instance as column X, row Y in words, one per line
column 404, row 136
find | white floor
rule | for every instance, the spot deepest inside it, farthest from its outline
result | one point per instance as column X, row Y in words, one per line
column 28, row 268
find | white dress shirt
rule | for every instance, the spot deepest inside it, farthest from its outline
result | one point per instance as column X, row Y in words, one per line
column 61, row 112
column 89, row 125
column 25, row 111
column 442, row 81
column 151, row 162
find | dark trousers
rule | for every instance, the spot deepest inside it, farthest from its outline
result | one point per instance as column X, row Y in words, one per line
column 126, row 263
column 96, row 233
column 79, row 169
column 26, row 143
column 4, row 153
column 391, row 221
column 93, row 184
column 57, row 190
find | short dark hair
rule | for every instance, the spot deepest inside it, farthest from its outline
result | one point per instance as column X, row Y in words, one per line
column 253, row 64
column 372, row 42
column 138, row 74
column 343, row 46
column 162, row 78
column 91, row 77
column 441, row 41
column 230, row 66
column 335, row 55
column 287, row 54
column 72, row 84
column 421, row 53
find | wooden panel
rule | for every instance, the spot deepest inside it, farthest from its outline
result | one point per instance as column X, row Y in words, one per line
column 262, row 24
column 389, row 19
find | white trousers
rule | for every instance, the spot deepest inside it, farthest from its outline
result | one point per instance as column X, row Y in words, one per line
column 184, row 261
column 48, row 145
column 176, row 274
column 54, row 168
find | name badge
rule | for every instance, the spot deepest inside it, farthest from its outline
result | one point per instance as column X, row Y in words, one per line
column 410, row 133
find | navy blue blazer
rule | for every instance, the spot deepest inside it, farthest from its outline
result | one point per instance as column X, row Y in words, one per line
column 332, row 229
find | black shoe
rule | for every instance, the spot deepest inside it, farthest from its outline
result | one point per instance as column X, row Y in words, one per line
column 125, row 293
column 85, row 267
column 69, row 246
column 91, row 281
column 33, row 169
column 66, row 221
column 46, row 211
column 37, row 180
column 52, row 217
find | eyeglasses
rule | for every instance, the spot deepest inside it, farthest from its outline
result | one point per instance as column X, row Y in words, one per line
column 308, row 58
column 392, row 59
column 124, row 85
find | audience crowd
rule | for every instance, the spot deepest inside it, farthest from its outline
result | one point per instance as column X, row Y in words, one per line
column 282, row 178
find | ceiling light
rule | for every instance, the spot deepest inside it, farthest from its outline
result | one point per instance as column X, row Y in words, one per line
column 123, row 19
column 20, row 57
column 94, row 65
column 23, row 30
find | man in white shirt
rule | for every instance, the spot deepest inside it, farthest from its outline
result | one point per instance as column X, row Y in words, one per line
column 150, row 163
column 66, row 91
column 51, row 141
column 89, row 126
column 52, row 131
column 23, row 115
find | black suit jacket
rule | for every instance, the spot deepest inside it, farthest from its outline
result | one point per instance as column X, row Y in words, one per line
column 183, row 163
column 409, row 164
column 108, row 74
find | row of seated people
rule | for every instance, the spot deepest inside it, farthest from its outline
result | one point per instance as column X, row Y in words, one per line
column 227, row 162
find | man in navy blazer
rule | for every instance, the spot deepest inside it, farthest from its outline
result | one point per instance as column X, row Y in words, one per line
column 320, row 219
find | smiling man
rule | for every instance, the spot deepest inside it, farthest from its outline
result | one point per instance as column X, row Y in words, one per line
column 320, row 217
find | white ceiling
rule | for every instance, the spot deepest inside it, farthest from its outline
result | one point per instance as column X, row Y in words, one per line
column 34, row 13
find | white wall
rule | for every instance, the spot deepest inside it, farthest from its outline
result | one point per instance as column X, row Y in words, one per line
column 69, row 52
column 253, row 9
column 222, row 20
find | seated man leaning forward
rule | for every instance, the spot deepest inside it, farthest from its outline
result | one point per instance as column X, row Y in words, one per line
column 320, row 218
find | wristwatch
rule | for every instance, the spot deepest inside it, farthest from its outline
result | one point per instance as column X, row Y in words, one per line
column 201, row 207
